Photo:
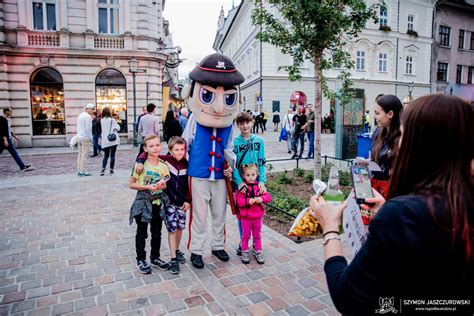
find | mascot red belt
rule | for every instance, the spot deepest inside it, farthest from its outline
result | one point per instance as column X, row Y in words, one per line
column 214, row 98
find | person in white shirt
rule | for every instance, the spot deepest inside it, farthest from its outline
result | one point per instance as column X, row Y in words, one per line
column 84, row 138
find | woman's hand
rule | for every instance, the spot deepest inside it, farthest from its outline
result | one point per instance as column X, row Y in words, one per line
column 139, row 168
column 261, row 188
column 228, row 172
column 161, row 185
column 186, row 206
column 377, row 202
column 329, row 216
column 242, row 185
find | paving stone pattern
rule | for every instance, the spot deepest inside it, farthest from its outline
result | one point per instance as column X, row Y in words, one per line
column 66, row 248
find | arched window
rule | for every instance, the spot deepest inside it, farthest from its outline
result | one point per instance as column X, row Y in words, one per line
column 110, row 91
column 47, row 102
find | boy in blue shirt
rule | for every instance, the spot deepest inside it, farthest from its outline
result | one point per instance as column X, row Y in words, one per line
column 249, row 149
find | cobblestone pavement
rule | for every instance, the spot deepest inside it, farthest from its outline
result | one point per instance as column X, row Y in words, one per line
column 66, row 248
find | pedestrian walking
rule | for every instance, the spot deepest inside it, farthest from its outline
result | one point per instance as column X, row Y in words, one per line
column 276, row 121
column 96, row 133
column 8, row 139
column 110, row 139
column 149, row 202
column 264, row 121
column 84, row 138
column 366, row 122
column 309, row 126
column 421, row 240
column 148, row 125
column 288, row 125
column 299, row 121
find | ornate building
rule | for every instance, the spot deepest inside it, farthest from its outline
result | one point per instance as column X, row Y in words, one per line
column 58, row 55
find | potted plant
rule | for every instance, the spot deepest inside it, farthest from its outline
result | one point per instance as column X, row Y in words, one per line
column 385, row 28
column 412, row 33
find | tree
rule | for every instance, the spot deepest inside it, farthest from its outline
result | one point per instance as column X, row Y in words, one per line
column 317, row 30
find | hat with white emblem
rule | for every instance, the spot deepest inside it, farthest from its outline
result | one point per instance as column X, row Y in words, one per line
column 216, row 69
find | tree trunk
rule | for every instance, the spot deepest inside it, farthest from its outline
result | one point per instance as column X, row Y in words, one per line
column 317, row 118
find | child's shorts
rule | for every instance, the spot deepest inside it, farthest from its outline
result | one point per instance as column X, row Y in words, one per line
column 175, row 218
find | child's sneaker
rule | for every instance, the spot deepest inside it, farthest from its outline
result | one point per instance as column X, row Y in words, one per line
column 174, row 266
column 160, row 264
column 245, row 257
column 180, row 256
column 239, row 250
column 143, row 267
column 259, row 257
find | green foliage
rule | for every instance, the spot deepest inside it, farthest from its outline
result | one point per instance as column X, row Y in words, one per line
column 308, row 178
column 345, row 178
column 325, row 172
column 269, row 166
column 283, row 178
column 289, row 203
column 298, row 172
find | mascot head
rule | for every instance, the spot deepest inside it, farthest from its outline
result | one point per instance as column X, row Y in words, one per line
column 214, row 96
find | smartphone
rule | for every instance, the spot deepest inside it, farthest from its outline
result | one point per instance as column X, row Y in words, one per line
column 165, row 179
column 361, row 183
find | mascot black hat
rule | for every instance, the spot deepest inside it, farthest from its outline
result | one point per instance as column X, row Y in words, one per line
column 216, row 69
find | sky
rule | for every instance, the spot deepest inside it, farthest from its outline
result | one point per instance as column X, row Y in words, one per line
column 193, row 24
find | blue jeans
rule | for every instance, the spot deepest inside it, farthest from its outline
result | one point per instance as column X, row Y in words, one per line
column 299, row 137
column 95, row 144
column 311, row 143
column 12, row 150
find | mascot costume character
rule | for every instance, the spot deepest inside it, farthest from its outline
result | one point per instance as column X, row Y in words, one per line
column 214, row 99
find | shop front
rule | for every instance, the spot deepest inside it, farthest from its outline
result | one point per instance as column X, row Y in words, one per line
column 47, row 103
column 110, row 88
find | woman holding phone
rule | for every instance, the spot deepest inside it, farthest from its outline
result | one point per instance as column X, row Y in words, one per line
column 421, row 242
column 387, row 112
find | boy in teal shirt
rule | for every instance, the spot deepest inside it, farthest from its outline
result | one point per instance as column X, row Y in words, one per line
column 249, row 149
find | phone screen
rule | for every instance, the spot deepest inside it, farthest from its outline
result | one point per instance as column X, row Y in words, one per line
column 361, row 182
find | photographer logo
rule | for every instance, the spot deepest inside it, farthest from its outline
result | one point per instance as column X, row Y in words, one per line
column 386, row 305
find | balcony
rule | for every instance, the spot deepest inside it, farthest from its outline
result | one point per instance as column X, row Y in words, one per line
column 108, row 42
column 43, row 39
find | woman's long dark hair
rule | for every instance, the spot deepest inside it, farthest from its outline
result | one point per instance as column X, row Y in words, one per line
column 434, row 160
column 390, row 135
column 106, row 112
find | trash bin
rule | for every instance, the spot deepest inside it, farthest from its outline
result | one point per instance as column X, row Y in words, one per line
column 363, row 144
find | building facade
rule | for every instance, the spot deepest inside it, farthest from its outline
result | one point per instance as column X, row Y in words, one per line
column 390, row 56
column 453, row 50
column 58, row 55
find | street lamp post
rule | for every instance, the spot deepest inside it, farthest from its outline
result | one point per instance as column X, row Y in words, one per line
column 409, row 98
column 133, row 69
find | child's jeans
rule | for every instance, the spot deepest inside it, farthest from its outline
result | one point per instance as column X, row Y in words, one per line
column 251, row 226
column 142, row 234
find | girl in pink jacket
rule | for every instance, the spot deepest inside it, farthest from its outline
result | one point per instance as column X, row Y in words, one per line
column 251, row 211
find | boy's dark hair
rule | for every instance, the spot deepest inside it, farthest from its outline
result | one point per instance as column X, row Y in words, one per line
column 243, row 117
column 150, row 107
column 176, row 140
column 8, row 109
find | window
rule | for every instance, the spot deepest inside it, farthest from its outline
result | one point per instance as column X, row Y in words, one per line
column 360, row 60
column 444, row 33
column 470, row 72
column 109, row 12
column 461, row 39
column 382, row 62
column 44, row 15
column 383, row 20
column 458, row 73
column 442, row 74
column 409, row 65
column 472, row 41
column 411, row 22
column 47, row 102
column 110, row 91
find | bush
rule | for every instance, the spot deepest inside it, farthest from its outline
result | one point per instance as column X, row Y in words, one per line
column 298, row 172
column 284, row 179
column 309, row 177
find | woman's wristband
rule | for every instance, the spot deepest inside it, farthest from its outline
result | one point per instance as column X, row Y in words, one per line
column 329, row 232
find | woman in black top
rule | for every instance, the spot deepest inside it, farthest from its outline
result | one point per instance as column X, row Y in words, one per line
column 172, row 127
column 421, row 243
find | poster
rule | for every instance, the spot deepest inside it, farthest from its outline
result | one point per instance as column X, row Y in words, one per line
column 353, row 225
